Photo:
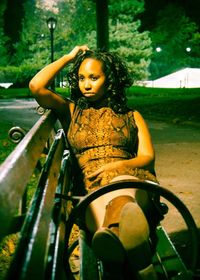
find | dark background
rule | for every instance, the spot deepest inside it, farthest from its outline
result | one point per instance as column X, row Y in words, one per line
column 191, row 7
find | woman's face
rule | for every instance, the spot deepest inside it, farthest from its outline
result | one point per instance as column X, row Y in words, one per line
column 92, row 79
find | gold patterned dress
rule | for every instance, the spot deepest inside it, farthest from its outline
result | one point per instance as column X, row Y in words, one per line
column 98, row 137
column 101, row 136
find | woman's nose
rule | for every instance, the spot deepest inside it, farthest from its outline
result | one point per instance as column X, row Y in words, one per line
column 87, row 85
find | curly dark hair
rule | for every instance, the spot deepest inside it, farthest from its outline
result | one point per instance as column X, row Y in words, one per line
column 117, row 79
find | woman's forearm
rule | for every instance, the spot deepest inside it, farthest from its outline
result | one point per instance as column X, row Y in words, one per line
column 43, row 78
column 146, row 162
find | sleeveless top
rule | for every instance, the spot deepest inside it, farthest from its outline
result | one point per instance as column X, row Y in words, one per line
column 101, row 136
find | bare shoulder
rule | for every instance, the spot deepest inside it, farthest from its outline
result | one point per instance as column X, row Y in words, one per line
column 138, row 117
column 71, row 107
column 141, row 124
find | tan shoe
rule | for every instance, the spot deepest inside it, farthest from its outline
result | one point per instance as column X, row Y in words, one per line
column 105, row 242
column 107, row 247
column 147, row 273
column 134, row 236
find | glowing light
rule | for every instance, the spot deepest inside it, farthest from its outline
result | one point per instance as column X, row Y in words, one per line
column 158, row 49
column 188, row 49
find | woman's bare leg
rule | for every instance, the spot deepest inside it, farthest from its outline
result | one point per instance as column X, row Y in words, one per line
column 96, row 211
column 132, row 229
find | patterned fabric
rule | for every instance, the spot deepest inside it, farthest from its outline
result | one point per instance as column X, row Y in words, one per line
column 97, row 137
column 100, row 136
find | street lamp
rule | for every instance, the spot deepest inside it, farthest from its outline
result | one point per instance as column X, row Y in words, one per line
column 51, row 23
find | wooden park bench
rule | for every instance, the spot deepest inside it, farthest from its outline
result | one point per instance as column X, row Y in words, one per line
column 44, row 224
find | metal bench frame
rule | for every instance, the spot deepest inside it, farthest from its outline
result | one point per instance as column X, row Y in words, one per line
column 44, row 228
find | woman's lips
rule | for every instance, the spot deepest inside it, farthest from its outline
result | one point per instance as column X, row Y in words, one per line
column 88, row 94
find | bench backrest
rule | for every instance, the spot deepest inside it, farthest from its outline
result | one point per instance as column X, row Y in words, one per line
column 41, row 228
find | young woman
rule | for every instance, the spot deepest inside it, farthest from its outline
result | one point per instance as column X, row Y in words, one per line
column 110, row 142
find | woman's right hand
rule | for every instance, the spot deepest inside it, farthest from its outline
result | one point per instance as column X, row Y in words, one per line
column 40, row 82
column 76, row 50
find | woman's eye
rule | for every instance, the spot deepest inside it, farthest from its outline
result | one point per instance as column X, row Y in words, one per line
column 81, row 78
column 94, row 78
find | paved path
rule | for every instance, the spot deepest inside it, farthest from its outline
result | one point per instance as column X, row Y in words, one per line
column 19, row 112
column 178, row 166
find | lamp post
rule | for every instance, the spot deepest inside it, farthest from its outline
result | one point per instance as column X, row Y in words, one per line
column 51, row 23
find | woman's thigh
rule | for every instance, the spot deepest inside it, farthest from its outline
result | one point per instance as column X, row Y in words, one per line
column 96, row 210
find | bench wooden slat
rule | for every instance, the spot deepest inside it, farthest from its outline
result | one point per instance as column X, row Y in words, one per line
column 57, row 250
column 18, row 167
column 39, row 227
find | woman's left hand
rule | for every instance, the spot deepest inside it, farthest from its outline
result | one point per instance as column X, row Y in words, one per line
column 106, row 168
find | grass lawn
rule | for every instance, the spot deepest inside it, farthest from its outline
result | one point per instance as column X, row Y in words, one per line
column 166, row 104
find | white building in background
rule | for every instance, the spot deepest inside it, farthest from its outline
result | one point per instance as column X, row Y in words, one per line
column 185, row 78
column 6, row 85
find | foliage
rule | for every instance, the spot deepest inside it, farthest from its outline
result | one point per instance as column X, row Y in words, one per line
column 32, row 48
column 124, row 35
column 81, row 23
column 9, row 93
column 173, row 33
column 128, row 8
column 75, row 27
column 12, row 25
column 4, row 38
column 3, row 51
column 19, row 76
column 126, row 39
column 7, row 249
column 76, row 24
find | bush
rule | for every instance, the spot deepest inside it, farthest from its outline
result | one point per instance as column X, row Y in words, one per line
column 19, row 76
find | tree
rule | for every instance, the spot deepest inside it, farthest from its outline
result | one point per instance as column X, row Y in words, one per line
column 34, row 39
column 4, row 39
column 174, row 33
column 126, row 39
column 73, row 27
column 76, row 24
column 13, row 15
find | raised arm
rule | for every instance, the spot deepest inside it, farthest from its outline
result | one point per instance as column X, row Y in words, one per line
column 40, row 82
